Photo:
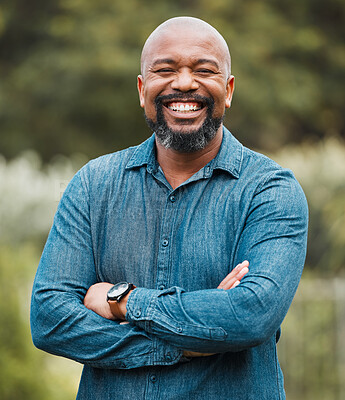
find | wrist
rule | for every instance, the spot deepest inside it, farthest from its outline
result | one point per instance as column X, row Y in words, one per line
column 119, row 308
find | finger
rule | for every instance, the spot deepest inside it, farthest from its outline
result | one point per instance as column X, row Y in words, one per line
column 235, row 284
column 235, row 275
column 235, row 281
column 232, row 276
column 188, row 353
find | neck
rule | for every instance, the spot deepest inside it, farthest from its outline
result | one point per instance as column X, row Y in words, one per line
column 178, row 167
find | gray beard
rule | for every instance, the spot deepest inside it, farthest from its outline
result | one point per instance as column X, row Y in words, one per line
column 191, row 140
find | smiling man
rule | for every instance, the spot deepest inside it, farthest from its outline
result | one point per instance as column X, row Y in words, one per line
column 144, row 277
column 185, row 89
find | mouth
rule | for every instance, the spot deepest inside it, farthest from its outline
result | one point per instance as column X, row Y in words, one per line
column 184, row 107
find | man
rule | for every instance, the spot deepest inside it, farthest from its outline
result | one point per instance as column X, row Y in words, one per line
column 170, row 219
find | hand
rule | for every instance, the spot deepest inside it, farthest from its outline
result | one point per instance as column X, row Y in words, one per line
column 193, row 354
column 234, row 277
column 96, row 300
column 229, row 282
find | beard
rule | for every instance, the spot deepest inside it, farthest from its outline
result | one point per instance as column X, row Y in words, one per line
column 189, row 140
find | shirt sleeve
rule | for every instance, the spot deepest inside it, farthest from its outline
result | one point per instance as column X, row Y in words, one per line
column 60, row 323
column 273, row 240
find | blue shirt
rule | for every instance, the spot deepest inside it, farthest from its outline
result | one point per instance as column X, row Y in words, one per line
column 120, row 220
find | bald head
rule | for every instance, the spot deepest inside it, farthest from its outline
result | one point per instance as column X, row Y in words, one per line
column 191, row 26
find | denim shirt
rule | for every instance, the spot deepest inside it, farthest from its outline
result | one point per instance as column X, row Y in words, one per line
column 120, row 220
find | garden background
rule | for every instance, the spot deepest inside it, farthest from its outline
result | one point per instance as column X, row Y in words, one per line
column 68, row 93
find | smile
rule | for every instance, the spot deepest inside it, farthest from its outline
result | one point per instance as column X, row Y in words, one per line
column 184, row 107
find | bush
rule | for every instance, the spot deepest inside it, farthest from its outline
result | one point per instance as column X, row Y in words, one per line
column 30, row 195
column 26, row 373
column 320, row 168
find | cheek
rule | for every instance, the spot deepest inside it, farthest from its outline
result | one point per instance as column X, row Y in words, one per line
column 220, row 101
column 149, row 97
column 219, row 105
column 150, row 108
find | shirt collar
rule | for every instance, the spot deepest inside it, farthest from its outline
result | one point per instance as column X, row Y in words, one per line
column 229, row 157
column 144, row 154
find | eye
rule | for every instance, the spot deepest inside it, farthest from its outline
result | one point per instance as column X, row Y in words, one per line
column 164, row 70
column 205, row 71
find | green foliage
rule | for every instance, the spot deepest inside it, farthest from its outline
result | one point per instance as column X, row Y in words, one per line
column 25, row 373
column 30, row 195
column 321, row 172
column 69, row 71
column 310, row 349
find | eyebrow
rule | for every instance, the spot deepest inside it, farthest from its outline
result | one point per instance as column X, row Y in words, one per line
column 163, row 61
column 171, row 61
column 207, row 61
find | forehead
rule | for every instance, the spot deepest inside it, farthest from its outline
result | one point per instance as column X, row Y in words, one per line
column 184, row 45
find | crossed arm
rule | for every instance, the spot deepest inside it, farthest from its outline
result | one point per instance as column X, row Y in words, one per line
column 162, row 323
column 96, row 297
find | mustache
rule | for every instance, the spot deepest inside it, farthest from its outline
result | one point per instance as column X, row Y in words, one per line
column 208, row 101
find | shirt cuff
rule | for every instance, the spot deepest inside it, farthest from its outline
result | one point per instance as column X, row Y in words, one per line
column 141, row 304
column 140, row 309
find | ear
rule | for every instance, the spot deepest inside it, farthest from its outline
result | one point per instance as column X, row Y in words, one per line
column 230, row 86
column 140, row 86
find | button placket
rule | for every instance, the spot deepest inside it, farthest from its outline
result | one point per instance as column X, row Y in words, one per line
column 166, row 234
column 153, row 386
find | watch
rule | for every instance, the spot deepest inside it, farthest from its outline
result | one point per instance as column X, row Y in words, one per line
column 118, row 291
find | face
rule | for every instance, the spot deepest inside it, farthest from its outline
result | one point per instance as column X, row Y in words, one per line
column 185, row 87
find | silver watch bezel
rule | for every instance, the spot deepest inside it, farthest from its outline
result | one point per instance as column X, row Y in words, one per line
column 119, row 290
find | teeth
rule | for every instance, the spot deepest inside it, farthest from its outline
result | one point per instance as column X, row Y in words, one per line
column 179, row 107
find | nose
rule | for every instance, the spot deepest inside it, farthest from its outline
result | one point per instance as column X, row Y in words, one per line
column 184, row 81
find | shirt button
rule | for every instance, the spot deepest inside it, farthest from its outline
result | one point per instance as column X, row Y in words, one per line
column 168, row 357
column 172, row 198
column 207, row 169
column 165, row 242
column 161, row 287
column 153, row 378
column 137, row 313
column 179, row 329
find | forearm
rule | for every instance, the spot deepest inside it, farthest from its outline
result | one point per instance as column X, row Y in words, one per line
column 206, row 321
column 219, row 320
column 95, row 298
column 63, row 326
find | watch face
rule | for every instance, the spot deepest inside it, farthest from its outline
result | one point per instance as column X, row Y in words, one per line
column 117, row 290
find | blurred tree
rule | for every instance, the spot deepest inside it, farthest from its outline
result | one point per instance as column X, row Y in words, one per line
column 321, row 171
column 69, row 69
column 24, row 372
